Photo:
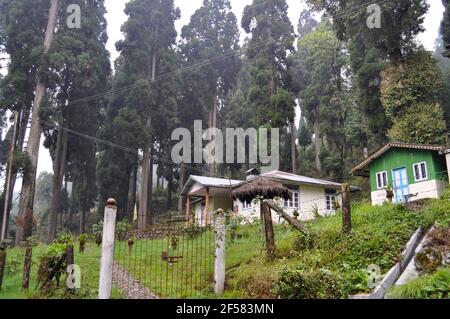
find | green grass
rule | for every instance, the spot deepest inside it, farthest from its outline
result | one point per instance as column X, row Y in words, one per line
column 328, row 264
column 190, row 277
column 89, row 263
column 435, row 286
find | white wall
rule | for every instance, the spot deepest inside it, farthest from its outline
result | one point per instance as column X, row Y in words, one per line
column 426, row 189
column 214, row 204
column 310, row 197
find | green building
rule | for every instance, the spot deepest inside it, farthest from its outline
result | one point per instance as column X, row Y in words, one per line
column 411, row 171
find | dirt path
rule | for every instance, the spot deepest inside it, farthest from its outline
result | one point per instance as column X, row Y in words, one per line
column 129, row 285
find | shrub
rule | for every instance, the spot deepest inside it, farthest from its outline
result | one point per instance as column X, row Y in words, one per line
column 435, row 286
column 297, row 283
column 83, row 238
column 122, row 229
column 12, row 266
column 48, row 261
column 233, row 221
column 97, row 232
column 192, row 231
column 64, row 238
column 303, row 242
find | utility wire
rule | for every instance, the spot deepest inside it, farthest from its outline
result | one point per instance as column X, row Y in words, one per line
column 242, row 50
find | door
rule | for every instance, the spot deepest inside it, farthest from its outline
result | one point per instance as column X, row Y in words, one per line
column 401, row 185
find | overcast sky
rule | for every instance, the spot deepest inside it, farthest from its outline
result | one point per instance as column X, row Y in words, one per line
column 116, row 18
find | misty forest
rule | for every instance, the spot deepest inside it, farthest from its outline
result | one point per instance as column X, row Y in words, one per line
column 108, row 129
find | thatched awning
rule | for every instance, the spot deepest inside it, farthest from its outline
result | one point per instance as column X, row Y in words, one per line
column 265, row 187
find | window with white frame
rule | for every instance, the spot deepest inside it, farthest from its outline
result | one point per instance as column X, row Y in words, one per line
column 420, row 171
column 329, row 201
column 294, row 202
column 247, row 205
column 382, row 180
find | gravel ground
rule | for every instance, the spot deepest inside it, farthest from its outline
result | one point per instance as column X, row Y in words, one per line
column 129, row 285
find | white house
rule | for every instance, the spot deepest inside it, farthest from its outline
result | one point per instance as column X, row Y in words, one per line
column 310, row 196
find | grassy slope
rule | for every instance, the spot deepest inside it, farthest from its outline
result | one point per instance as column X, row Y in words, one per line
column 325, row 265
column 436, row 285
column 88, row 262
column 328, row 264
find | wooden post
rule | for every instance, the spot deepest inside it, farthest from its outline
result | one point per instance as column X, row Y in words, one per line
column 268, row 229
column 106, row 262
column 69, row 262
column 2, row 264
column 291, row 220
column 27, row 268
column 219, row 261
column 69, row 255
column 346, row 210
column 206, row 207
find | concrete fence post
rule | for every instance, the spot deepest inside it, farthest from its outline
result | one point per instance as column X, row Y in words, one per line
column 219, row 261
column 106, row 262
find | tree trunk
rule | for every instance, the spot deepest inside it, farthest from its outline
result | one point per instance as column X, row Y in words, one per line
column 61, row 221
column 82, row 221
column 56, row 188
column 132, row 193
column 317, row 143
column 180, row 188
column 143, row 200
column 5, row 216
column 212, row 125
column 346, row 212
column 146, row 169
column 268, row 229
column 294, row 148
column 150, row 189
column 25, row 116
column 169, row 191
column 25, row 216
column 72, row 208
column 157, row 179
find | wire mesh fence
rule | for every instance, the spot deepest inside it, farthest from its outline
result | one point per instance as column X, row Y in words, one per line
column 44, row 259
column 172, row 259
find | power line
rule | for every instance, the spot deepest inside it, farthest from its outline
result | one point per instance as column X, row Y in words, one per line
column 115, row 145
column 167, row 75
column 144, row 82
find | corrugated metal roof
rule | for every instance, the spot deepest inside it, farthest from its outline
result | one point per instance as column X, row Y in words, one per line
column 387, row 147
column 299, row 179
column 210, row 182
column 214, row 181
